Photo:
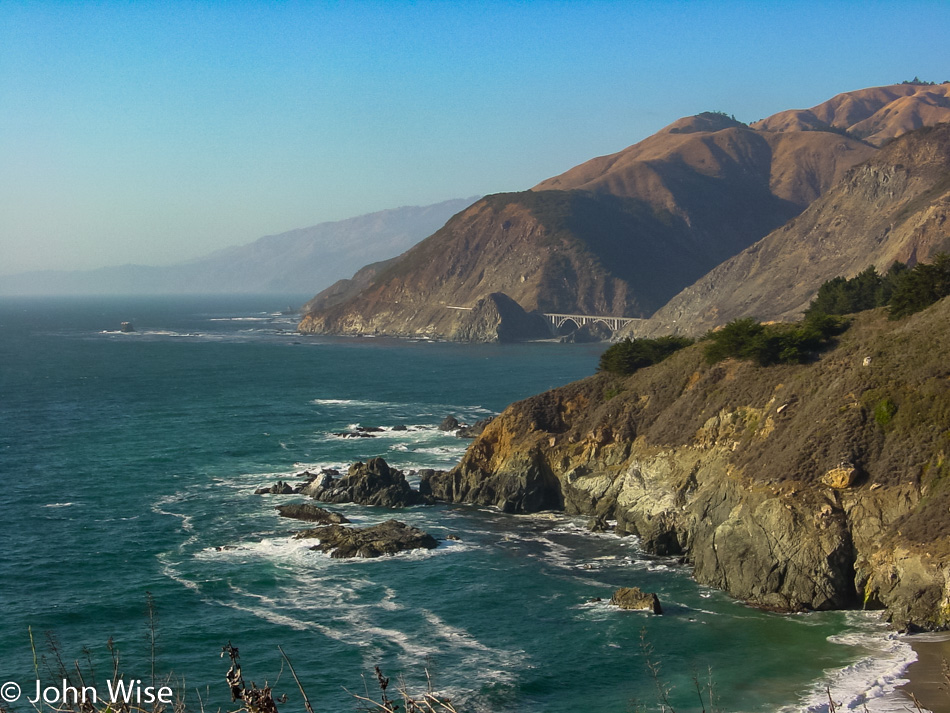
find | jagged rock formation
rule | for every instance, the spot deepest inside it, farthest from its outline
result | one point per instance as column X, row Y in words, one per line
column 371, row 483
column 726, row 465
column 893, row 207
column 387, row 538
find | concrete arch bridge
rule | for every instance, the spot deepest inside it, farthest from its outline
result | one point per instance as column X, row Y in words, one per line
column 557, row 321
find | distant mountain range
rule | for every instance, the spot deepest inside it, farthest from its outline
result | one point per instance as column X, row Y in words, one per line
column 623, row 234
column 301, row 261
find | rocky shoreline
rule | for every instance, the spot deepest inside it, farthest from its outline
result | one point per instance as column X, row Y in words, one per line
column 797, row 487
column 791, row 488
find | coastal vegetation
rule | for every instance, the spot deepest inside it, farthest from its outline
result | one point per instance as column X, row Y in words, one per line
column 629, row 355
column 902, row 290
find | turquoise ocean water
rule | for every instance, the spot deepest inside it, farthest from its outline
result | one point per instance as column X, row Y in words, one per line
column 128, row 464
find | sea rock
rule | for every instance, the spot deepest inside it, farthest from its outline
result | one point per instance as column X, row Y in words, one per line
column 387, row 538
column 475, row 430
column 371, row 483
column 126, row 327
column 633, row 598
column 279, row 488
column 311, row 513
column 449, row 423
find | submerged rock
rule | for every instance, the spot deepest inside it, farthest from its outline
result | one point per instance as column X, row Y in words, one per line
column 371, row 483
column 634, row 598
column 387, row 538
column 311, row 513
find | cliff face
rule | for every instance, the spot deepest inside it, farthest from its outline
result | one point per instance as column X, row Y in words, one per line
column 818, row 486
column 893, row 207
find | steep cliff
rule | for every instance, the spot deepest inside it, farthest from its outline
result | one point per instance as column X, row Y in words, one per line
column 816, row 486
column 893, row 207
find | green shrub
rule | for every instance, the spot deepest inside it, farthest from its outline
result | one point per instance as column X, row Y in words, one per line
column 884, row 412
column 627, row 356
column 774, row 343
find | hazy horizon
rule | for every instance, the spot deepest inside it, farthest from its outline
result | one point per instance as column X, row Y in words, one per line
column 152, row 134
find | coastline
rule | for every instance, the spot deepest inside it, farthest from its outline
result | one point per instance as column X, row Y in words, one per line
column 925, row 677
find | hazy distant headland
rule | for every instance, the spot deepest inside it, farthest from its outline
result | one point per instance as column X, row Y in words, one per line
column 299, row 261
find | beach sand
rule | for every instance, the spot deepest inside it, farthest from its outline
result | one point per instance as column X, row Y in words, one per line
column 925, row 675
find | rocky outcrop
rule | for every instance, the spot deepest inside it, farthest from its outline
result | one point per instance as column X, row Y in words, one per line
column 633, row 598
column 775, row 484
column 498, row 318
column 388, row 538
column 371, row 483
column 311, row 513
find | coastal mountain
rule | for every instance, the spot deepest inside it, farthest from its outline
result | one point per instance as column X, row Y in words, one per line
column 622, row 234
column 810, row 486
column 875, row 115
column 894, row 207
column 298, row 261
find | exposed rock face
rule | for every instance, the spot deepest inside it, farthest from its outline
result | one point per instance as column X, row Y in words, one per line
column 633, row 598
column 388, row 538
column 311, row 513
column 894, row 207
column 725, row 465
column 372, row 483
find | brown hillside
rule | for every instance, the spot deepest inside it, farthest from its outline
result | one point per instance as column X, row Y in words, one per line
column 876, row 115
column 632, row 230
column 894, row 207
column 793, row 167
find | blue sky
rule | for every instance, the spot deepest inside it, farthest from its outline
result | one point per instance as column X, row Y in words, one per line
column 153, row 132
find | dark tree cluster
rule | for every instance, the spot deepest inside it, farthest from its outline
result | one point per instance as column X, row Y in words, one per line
column 903, row 291
column 627, row 356
column 768, row 344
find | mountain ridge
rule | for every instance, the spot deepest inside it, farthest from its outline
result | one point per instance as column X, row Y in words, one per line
column 622, row 234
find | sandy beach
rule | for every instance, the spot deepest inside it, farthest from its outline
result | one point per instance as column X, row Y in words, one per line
column 926, row 678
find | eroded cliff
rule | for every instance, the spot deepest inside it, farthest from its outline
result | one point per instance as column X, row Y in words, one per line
column 816, row 486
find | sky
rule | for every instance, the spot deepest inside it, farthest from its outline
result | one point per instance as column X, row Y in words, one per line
column 156, row 132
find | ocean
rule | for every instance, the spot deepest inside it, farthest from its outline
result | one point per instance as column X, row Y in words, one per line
column 129, row 466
